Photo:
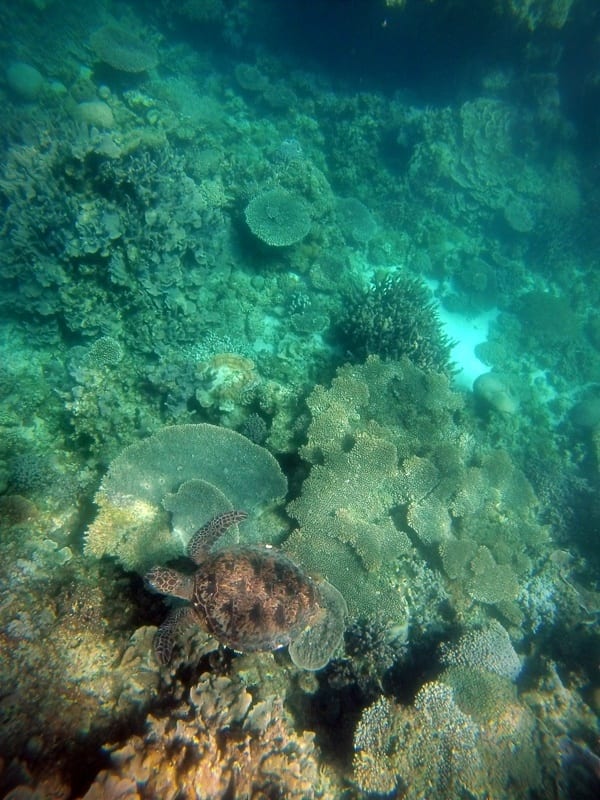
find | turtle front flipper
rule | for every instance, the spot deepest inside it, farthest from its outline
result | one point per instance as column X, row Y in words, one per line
column 169, row 581
column 207, row 535
column 164, row 639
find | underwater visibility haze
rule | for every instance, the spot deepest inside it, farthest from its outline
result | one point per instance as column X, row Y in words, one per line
column 300, row 399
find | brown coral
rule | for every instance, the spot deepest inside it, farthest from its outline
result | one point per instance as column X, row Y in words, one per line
column 222, row 744
column 435, row 749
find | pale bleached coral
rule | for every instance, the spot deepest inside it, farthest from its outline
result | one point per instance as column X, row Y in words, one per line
column 489, row 649
column 226, row 385
column 428, row 750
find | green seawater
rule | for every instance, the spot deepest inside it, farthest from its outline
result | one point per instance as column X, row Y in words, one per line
column 364, row 236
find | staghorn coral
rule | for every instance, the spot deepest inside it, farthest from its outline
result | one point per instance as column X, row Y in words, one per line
column 223, row 743
column 394, row 317
column 122, row 50
column 132, row 523
column 278, row 218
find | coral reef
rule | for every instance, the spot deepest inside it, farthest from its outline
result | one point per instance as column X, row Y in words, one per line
column 72, row 670
column 539, row 13
column 227, row 384
column 355, row 220
column 489, row 649
column 148, row 477
column 385, row 437
column 250, row 599
column 435, row 749
column 191, row 209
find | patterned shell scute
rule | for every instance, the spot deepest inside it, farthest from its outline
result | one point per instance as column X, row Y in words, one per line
column 254, row 598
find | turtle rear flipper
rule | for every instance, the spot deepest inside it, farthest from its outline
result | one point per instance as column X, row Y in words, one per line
column 164, row 639
column 315, row 645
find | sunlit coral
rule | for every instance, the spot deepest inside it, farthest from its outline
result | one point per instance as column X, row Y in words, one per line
column 222, row 744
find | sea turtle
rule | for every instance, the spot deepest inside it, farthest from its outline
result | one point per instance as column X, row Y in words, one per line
column 250, row 598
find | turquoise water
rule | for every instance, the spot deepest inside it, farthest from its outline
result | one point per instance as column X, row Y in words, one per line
column 334, row 265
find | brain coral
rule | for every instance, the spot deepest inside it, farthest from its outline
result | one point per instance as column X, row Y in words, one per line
column 122, row 50
column 278, row 217
column 191, row 470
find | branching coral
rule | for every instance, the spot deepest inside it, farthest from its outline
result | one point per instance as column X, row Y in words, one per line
column 488, row 649
column 395, row 317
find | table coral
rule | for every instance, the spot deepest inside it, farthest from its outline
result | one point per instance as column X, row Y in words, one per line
column 123, row 50
column 278, row 217
column 132, row 524
column 397, row 482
